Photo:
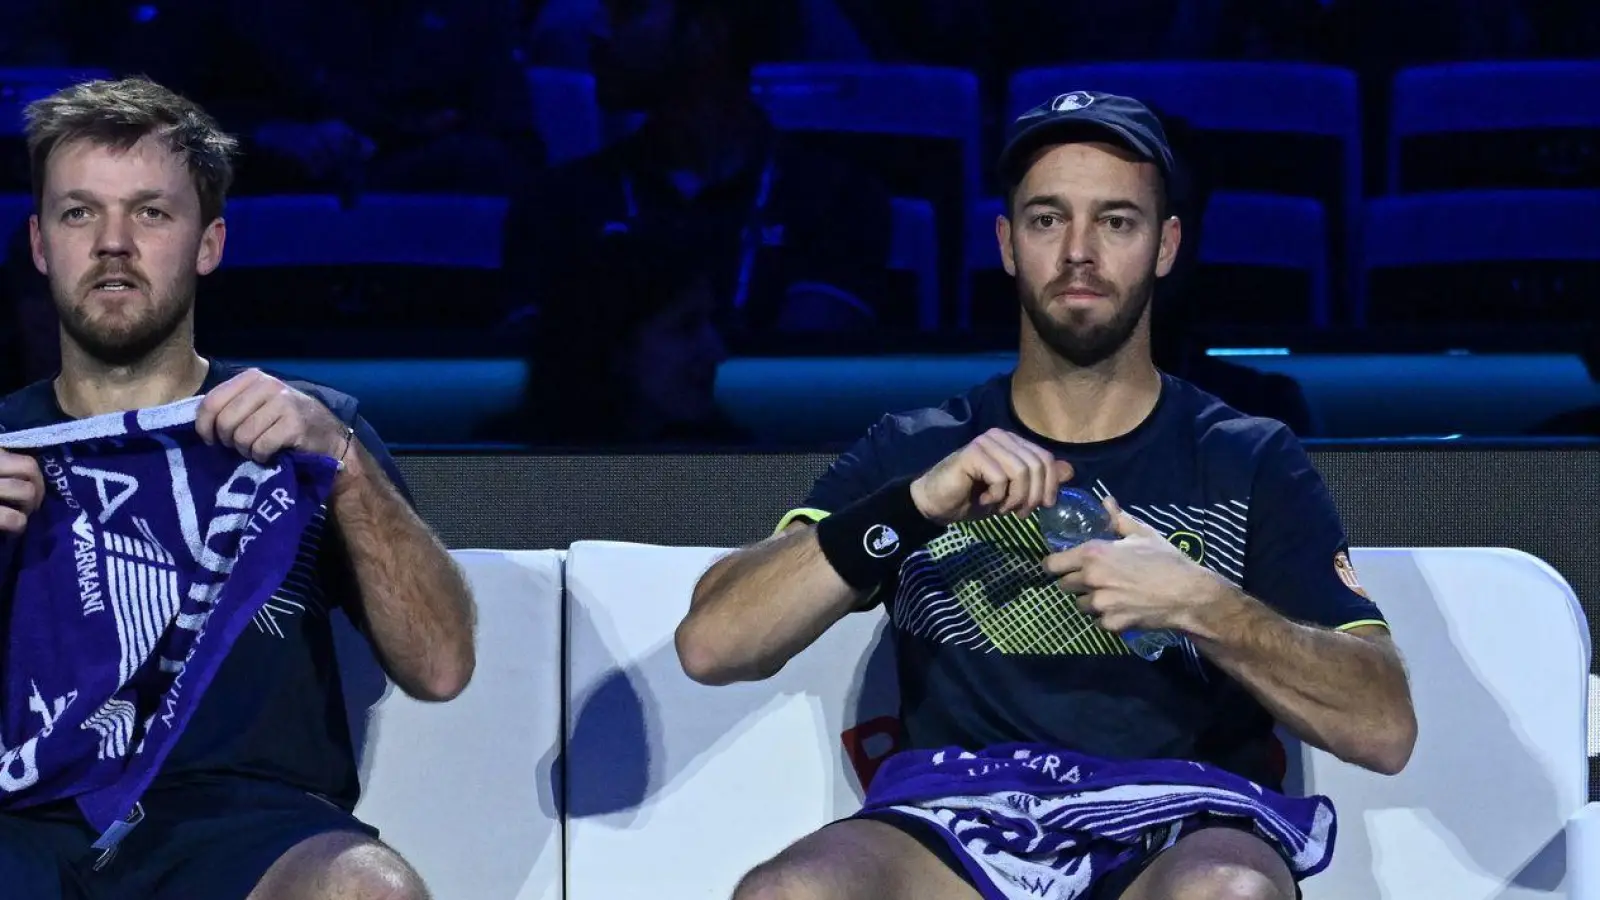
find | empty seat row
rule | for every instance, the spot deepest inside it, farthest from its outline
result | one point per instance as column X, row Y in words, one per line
column 454, row 241
column 1284, row 129
column 1292, row 129
column 1495, row 256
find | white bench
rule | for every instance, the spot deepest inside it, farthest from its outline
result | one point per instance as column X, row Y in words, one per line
column 466, row 790
column 677, row 788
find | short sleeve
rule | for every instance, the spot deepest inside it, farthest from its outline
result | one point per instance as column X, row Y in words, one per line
column 379, row 451
column 347, row 409
column 1298, row 557
column 856, row 473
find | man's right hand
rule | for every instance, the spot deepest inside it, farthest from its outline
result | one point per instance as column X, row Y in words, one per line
column 997, row 473
column 21, row 491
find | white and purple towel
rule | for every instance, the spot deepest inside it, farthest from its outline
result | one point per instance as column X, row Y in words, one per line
column 150, row 555
column 1032, row 822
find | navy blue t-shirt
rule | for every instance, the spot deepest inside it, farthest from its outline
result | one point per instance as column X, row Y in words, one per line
column 276, row 710
column 991, row 650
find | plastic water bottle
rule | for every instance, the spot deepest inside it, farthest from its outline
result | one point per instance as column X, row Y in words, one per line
column 1079, row 517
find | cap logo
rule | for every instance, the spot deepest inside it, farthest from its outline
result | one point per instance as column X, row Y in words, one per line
column 1073, row 101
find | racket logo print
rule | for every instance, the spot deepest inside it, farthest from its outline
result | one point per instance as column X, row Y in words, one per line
column 880, row 541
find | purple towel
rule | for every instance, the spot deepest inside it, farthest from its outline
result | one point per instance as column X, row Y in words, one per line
column 1033, row 822
column 150, row 555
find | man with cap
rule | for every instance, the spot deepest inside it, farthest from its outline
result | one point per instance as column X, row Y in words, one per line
column 1040, row 756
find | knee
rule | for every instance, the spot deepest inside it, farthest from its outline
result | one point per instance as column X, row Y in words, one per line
column 1227, row 881
column 782, row 881
column 371, row 871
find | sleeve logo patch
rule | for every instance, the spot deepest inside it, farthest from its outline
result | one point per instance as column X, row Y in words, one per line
column 1347, row 572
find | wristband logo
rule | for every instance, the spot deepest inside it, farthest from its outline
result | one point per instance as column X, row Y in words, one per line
column 880, row 541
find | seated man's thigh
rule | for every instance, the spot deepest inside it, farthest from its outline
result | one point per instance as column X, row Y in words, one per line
column 220, row 841
column 1221, row 863
column 340, row 866
column 855, row 859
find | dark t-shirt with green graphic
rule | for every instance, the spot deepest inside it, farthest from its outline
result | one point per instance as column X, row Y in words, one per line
column 991, row 650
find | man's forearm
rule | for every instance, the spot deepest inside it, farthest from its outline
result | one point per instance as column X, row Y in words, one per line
column 418, row 608
column 756, row 608
column 1344, row 693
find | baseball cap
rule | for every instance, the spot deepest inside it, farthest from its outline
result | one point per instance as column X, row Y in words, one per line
column 1080, row 114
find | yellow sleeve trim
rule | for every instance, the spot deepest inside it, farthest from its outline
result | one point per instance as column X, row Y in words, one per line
column 804, row 514
column 1350, row 626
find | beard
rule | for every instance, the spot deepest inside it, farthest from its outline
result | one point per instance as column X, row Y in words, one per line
column 128, row 340
column 1086, row 343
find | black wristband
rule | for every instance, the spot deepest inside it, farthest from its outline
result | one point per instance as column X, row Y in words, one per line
column 868, row 540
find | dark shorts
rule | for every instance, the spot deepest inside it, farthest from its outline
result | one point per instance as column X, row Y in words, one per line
column 211, row 841
column 1110, row 886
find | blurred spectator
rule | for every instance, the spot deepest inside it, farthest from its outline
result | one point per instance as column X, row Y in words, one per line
column 384, row 95
column 558, row 32
column 801, row 242
column 636, row 362
column 826, row 34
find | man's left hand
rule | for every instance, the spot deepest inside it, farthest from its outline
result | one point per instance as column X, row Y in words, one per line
column 258, row 415
column 1139, row 581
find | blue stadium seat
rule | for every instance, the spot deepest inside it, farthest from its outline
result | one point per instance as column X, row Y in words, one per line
column 400, row 229
column 1505, row 255
column 871, row 98
column 876, row 106
column 1242, row 230
column 290, row 230
column 1271, row 232
column 1455, row 100
column 1293, row 98
column 914, row 248
column 399, row 264
column 1250, row 101
column 983, row 252
column 565, row 111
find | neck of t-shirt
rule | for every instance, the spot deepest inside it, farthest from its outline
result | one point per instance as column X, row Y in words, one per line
column 1085, row 406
